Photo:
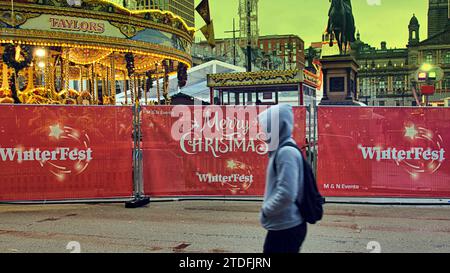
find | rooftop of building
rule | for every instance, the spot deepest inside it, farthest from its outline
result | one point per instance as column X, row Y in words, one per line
column 263, row 37
column 275, row 37
column 414, row 21
column 364, row 50
column 440, row 38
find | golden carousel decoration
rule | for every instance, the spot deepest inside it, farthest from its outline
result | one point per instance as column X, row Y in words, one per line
column 54, row 52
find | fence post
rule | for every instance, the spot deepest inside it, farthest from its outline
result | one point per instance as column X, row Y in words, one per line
column 316, row 137
column 309, row 112
column 140, row 200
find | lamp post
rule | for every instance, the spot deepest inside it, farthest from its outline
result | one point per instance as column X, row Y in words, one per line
column 249, row 41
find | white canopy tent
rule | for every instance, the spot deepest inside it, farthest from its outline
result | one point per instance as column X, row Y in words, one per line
column 196, row 84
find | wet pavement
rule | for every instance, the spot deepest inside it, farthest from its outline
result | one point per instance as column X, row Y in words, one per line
column 216, row 227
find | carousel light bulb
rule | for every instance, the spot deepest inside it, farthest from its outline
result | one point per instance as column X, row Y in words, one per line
column 41, row 64
column 40, row 52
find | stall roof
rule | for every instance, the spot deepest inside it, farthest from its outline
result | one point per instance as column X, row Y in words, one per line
column 277, row 80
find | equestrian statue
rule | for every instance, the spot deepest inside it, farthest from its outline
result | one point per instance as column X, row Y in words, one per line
column 341, row 24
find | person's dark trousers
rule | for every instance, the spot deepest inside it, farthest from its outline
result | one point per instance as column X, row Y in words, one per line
column 285, row 241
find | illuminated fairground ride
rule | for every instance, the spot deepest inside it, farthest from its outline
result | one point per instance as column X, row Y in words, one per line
column 84, row 52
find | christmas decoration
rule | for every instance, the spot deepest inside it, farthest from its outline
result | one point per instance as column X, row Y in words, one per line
column 241, row 174
column 166, row 96
column 129, row 58
column 13, row 88
column 68, row 137
column 182, row 75
column 149, row 79
column 17, row 57
column 421, row 137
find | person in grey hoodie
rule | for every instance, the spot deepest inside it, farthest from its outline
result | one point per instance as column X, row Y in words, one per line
column 280, row 215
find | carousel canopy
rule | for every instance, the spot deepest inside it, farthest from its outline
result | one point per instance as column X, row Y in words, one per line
column 92, row 30
column 76, row 51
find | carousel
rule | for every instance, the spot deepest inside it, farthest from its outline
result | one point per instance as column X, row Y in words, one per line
column 85, row 52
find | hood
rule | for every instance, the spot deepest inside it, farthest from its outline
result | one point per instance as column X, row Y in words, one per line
column 278, row 123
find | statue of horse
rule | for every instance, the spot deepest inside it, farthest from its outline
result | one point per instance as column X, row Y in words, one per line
column 341, row 24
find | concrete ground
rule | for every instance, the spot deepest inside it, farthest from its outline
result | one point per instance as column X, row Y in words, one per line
column 215, row 227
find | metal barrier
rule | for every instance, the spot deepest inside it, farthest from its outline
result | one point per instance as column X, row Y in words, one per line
column 206, row 166
column 384, row 152
column 55, row 154
column 140, row 199
column 61, row 153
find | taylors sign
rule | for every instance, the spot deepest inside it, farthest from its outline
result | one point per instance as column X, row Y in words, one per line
column 80, row 25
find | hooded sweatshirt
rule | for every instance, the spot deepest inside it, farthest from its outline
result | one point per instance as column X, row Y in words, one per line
column 285, row 186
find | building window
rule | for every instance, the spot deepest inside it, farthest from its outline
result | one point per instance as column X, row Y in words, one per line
column 381, row 103
column 446, row 83
column 365, row 87
column 429, row 58
column 399, row 84
column 382, row 85
column 447, row 58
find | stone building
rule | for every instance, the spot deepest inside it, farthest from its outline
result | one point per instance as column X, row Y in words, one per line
column 386, row 75
column 274, row 52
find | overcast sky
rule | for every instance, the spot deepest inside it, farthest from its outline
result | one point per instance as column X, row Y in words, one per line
column 377, row 20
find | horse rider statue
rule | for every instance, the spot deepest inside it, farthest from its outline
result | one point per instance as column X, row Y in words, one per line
column 341, row 24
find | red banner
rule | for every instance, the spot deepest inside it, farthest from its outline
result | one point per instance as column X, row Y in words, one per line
column 206, row 166
column 384, row 152
column 64, row 152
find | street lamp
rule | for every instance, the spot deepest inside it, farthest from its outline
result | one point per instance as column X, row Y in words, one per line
column 428, row 75
column 426, row 67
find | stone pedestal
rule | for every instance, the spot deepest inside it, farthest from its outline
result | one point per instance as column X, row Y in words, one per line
column 340, row 74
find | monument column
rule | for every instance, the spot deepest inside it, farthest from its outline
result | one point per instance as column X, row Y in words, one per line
column 339, row 72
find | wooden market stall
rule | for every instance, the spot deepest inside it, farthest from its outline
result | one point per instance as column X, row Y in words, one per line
column 262, row 87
